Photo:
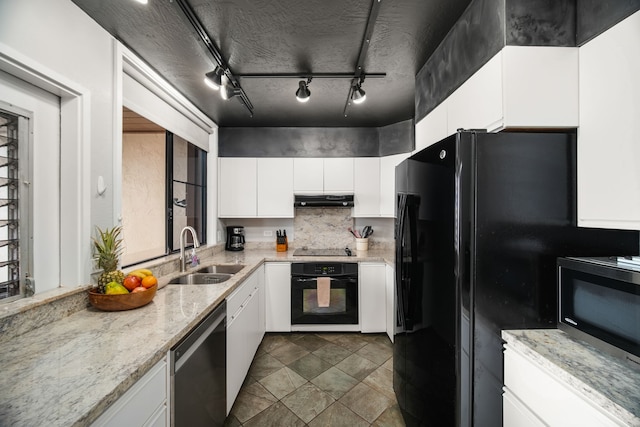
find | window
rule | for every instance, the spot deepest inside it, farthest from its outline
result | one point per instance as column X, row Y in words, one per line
column 187, row 179
column 163, row 189
column 15, row 222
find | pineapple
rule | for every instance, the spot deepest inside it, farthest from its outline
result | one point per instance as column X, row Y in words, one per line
column 107, row 250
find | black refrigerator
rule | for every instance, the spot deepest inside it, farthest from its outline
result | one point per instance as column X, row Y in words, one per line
column 481, row 219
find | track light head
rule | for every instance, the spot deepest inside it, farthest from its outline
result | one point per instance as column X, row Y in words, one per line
column 303, row 93
column 227, row 90
column 213, row 79
column 358, row 96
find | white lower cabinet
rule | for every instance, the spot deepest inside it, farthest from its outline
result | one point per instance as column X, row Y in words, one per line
column 144, row 404
column 245, row 329
column 372, row 290
column 277, row 284
column 533, row 397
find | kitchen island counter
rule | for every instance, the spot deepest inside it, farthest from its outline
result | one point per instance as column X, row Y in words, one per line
column 605, row 381
column 70, row 369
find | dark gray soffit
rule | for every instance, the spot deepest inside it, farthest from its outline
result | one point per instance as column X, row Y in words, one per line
column 474, row 39
column 596, row 16
column 540, row 22
column 315, row 142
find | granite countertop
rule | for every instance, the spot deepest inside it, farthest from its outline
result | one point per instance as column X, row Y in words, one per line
column 600, row 378
column 68, row 371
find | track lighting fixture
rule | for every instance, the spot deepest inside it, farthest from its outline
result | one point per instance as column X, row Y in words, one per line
column 303, row 93
column 213, row 79
column 227, row 90
column 358, row 96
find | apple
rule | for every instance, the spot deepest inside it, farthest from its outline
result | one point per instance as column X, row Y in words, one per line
column 131, row 282
column 138, row 289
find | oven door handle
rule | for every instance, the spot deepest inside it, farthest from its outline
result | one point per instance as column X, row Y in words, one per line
column 313, row 279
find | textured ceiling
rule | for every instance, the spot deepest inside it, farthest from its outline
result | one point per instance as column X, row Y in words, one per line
column 286, row 36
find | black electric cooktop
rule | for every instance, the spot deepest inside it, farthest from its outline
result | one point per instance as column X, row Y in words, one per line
column 304, row 251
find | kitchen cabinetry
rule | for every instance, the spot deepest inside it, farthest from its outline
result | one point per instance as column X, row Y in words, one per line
column 275, row 188
column 144, row 404
column 432, row 128
column 245, row 329
column 374, row 185
column 366, row 187
column 520, row 87
column 237, row 187
column 250, row 187
column 372, row 291
column 608, row 150
column 277, row 277
column 390, row 297
column 323, row 175
column 535, row 397
column 388, row 183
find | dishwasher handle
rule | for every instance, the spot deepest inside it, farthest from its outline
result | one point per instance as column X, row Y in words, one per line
column 181, row 353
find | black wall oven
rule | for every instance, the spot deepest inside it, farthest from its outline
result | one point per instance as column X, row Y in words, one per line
column 599, row 302
column 324, row 293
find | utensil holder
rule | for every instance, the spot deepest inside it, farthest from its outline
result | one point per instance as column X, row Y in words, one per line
column 362, row 244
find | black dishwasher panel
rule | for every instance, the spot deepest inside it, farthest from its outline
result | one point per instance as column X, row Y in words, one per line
column 198, row 374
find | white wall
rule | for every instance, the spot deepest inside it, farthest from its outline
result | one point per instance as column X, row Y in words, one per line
column 54, row 45
column 40, row 42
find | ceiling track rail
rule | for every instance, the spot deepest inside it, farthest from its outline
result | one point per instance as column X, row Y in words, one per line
column 362, row 55
column 214, row 51
column 306, row 75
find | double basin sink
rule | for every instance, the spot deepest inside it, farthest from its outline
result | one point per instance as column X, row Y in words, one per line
column 208, row 275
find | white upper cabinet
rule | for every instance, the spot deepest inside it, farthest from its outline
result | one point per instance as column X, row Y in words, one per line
column 250, row 187
column 608, row 137
column 540, row 87
column 374, row 189
column 432, row 128
column 275, row 187
column 388, row 183
column 323, row 176
column 237, row 187
column 366, row 187
column 477, row 104
column 338, row 175
column 520, row 87
column 308, row 175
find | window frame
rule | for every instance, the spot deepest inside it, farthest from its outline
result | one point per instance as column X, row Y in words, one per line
column 25, row 200
column 202, row 234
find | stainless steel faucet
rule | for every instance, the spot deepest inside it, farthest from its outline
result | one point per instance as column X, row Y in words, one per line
column 183, row 243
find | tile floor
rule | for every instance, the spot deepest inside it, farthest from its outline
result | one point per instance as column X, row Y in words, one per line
column 319, row 379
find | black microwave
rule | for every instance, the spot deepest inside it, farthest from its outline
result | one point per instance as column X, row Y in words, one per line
column 599, row 302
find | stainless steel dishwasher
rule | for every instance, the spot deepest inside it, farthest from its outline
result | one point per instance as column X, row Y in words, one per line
column 198, row 374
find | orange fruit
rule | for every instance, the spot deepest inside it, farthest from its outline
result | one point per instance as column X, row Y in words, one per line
column 149, row 281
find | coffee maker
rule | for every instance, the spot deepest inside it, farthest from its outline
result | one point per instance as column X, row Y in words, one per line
column 235, row 238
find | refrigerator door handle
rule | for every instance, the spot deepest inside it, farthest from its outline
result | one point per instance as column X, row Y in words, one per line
column 400, row 282
column 406, row 258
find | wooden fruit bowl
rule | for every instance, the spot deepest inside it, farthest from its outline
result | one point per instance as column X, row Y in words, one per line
column 123, row 301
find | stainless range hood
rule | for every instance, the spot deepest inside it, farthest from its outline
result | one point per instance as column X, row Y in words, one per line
column 323, row 201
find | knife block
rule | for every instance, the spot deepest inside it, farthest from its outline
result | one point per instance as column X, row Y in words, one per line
column 282, row 244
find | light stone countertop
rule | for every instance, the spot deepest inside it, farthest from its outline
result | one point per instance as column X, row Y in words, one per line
column 68, row 371
column 600, row 378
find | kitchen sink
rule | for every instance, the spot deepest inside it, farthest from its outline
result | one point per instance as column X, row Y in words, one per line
column 201, row 279
column 224, row 269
